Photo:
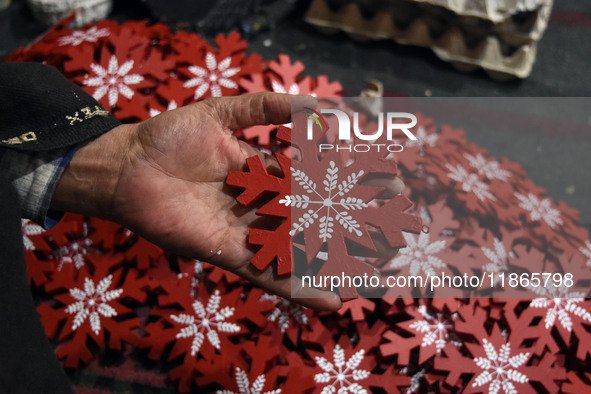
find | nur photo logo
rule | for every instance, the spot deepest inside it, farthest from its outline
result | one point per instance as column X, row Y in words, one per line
column 389, row 126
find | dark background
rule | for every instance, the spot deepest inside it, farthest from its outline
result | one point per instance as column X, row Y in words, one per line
column 557, row 160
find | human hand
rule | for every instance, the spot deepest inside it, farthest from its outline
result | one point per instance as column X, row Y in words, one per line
column 164, row 179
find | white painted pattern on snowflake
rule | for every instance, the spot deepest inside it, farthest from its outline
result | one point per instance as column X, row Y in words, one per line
column 423, row 139
column 284, row 311
column 498, row 259
column 29, row 228
column 79, row 36
column 172, row 105
column 489, row 169
column 415, row 380
column 75, row 252
column 499, row 369
column 424, row 215
column 435, row 329
column 561, row 305
column 470, row 182
column 213, row 78
column 206, row 321
column 92, row 302
column 196, row 276
column 294, row 88
column 342, row 376
column 419, row 254
column 330, row 203
column 279, row 88
column 113, row 81
column 586, row 250
column 244, row 386
column 540, row 209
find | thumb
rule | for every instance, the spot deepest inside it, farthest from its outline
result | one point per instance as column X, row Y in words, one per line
column 257, row 109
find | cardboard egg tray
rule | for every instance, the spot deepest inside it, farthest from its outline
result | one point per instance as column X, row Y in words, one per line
column 493, row 10
column 499, row 37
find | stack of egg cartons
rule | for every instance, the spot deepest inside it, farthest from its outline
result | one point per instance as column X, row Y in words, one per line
column 500, row 36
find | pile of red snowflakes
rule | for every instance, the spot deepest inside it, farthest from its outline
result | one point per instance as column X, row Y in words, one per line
column 104, row 291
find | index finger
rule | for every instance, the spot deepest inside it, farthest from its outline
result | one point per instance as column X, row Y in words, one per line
column 257, row 108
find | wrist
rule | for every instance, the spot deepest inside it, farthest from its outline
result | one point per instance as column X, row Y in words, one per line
column 89, row 182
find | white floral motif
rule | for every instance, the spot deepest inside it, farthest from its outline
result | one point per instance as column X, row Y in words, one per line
column 172, row 105
column 212, row 78
column 419, row 254
column 435, row 329
column 196, row 277
column 331, row 202
column 92, row 302
column 113, row 81
column 560, row 304
column 415, row 380
column 498, row 259
column 206, row 321
column 489, row 169
column 244, row 386
column 586, row 250
column 278, row 88
column 470, row 182
column 79, row 36
column 294, row 88
column 30, row 228
column 540, row 209
column 423, row 139
column 342, row 376
column 73, row 253
column 500, row 370
column 197, row 274
column 284, row 310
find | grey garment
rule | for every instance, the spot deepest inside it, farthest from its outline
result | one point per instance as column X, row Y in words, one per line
column 35, row 175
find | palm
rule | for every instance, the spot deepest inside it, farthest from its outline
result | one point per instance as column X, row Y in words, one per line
column 172, row 190
column 176, row 192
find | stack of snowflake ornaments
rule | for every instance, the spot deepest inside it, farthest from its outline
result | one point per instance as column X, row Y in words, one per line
column 104, row 291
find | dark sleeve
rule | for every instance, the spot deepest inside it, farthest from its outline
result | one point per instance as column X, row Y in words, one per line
column 27, row 361
column 41, row 110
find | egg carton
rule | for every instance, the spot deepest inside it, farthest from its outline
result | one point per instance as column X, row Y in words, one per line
column 496, row 11
column 50, row 12
column 458, row 39
column 523, row 26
